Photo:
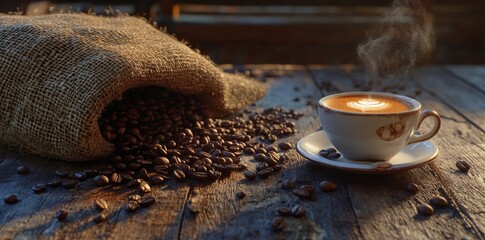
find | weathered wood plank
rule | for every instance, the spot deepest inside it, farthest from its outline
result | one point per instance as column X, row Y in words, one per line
column 467, row 100
column 474, row 75
column 382, row 205
column 329, row 215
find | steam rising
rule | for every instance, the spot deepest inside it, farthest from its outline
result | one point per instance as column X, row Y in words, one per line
column 403, row 37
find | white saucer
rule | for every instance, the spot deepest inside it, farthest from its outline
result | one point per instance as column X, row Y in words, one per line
column 414, row 155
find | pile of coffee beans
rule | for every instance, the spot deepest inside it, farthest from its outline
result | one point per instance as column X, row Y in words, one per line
column 161, row 135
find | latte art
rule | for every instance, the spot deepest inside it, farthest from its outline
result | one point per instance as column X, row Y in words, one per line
column 368, row 104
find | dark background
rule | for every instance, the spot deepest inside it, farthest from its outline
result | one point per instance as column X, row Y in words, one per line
column 286, row 31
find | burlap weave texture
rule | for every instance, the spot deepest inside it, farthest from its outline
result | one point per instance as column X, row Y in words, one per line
column 58, row 72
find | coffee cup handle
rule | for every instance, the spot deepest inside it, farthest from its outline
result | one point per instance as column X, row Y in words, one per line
column 423, row 137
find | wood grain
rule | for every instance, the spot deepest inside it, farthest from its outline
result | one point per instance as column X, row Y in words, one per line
column 474, row 75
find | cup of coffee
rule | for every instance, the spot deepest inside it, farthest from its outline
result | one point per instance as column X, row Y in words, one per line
column 373, row 126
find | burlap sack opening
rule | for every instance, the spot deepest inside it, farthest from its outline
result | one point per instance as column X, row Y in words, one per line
column 59, row 72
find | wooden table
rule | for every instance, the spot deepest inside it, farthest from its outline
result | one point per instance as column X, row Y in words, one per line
column 362, row 207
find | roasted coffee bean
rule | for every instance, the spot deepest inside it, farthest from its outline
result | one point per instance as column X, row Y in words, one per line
column 333, row 155
column 81, row 176
column 439, row 201
column 161, row 161
column 134, row 197
column 54, row 183
column 283, row 158
column 260, row 150
column 271, row 148
column 463, row 166
column 301, row 193
column 249, row 150
column 412, row 187
column 115, row 178
column 125, row 177
column 61, row 174
column 250, row 175
column 101, row 181
column 147, row 201
column 259, row 156
column 240, row 195
column 23, row 170
column 145, row 187
column 119, row 166
column 157, row 180
column 134, row 182
column 178, row 175
column 278, row 224
column 11, row 199
column 132, row 206
column 39, row 188
column 286, row 184
column 277, row 167
column 100, row 204
column 61, row 215
column 309, row 188
column 425, row 210
column 261, row 166
column 69, row 183
column 284, row 211
column 286, row 146
column 99, row 218
column 327, row 186
column 90, row 172
column 298, row 211
column 270, row 161
column 265, row 173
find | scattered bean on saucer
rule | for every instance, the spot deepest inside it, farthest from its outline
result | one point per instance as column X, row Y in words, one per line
column 330, row 153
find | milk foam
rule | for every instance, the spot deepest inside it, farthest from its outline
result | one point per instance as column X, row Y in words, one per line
column 368, row 104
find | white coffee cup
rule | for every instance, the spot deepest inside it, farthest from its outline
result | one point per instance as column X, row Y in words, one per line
column 374, row 136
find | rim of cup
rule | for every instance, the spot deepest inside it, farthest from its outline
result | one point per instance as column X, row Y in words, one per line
column 415, row 103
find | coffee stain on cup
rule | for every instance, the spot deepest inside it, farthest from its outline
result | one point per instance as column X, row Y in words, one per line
column 391, row 131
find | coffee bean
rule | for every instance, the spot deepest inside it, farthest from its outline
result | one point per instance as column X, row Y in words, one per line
column 101, row 181
column 134, row 197
column 285, row 146
column 101, row 204
column 61, row 174
column 69, row 183
column 132, row 206
column 412, row 187
column 260, row 150
column 249, row 150
column 54, row 183
column 145, row 187
column 23, row 170
column 143, row 174
column 240, row 195
column 99, row 218
column 271, row 148
column 260, row 157
column 265, row 173
column 286, row 184
column 61, row 215
column 439, row 201
column 90, row 172
column 463, row 166
column 301, row 193
column 309, row 188
column 425, row 210
column 134, row 182
column 277, row 167
column 157, row 180
column 147, row 201
column 298, row 211
column 284, row 211
column 327, row 186
column 261, row 166
column 333, row 156
column 178, row 175
column 81, row 176
column 116, row 178
column 278, row 224
column 250, row 175
column 39, row 188
column 11, row 199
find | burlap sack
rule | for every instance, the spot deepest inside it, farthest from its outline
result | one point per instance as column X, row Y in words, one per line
column 58, row 72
